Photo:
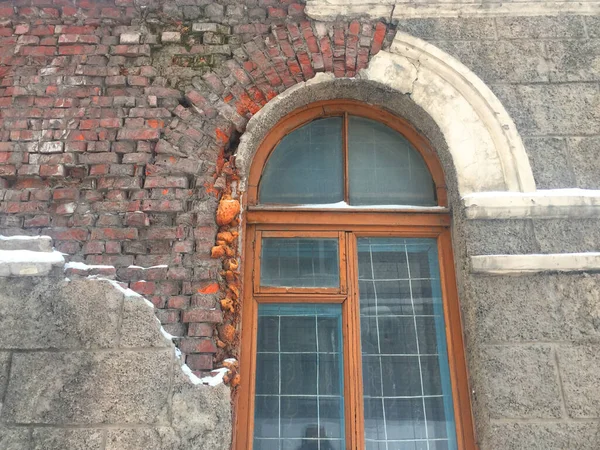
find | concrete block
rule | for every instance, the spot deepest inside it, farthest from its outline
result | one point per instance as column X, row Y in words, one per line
column 568, row 235
column 89, row 387
column 593, row 26
column 572, row 108
column 549, row 307
column 490, row 237
column 61, row 439
column 33, row 243
column 549, row 162
column 519, row 382
column 519, row 61
column 139, row 326
column 14, row 438
column 159, row 438
column 449, row 28
column 543, row 436
column 574, row 60
column 584, row 153
column 580, row 377
column 564, row 26
column 45, row 313
column 201, row 414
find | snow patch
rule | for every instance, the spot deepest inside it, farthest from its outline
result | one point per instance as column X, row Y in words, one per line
column 29, row 256
column 344, row 205
column 160, row 266
column 216, row 379
column 188, row 372
column 23, row 238
column 82, row 266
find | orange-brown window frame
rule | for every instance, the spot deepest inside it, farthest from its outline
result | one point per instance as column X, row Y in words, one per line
column 348, row 224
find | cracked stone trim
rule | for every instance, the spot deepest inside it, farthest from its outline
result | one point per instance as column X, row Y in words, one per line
column 544, row 204
column 528, row 264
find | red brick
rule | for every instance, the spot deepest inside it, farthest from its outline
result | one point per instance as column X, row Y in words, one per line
column 93, row 247
column 197, row 345
column 37, row 221
column 199, row 362
column 200, row 329
column 114, row 233
column 166, row 182
column 178, row 302
column 202, row 315
column 378, row 38
column 69, row 234
column 144, row 134
column 143, row 287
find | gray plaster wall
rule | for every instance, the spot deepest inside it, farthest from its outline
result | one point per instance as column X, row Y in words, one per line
column 83, row 366
column 532, row 341
column 546, row 72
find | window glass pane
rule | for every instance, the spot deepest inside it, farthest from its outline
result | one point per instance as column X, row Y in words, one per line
column 384, row 168
column 299, row 378
column 306, row 167
column 299, row 262
column 406, row 381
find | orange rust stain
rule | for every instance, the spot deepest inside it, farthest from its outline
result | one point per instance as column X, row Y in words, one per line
column 222, row 137
column 210, row 189
column 155, row 123
column 211, row 288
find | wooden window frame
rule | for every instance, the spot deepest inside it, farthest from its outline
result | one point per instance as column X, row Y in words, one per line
column 348, row 225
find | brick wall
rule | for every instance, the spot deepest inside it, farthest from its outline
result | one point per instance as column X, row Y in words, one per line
column 118, row 120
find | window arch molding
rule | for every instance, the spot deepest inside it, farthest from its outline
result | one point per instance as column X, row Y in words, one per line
column 332, row 108
column 350, row 229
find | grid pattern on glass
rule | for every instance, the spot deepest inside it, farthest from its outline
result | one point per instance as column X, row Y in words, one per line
column 299, row 262
column 306, row 167
column 299, row 402
column 384, row 168
column 406, row 382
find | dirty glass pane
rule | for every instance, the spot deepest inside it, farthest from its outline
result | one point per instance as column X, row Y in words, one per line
column 406, row 379
column 306, row 167
column 384, row 168
column 299, row 262
column 299, row 402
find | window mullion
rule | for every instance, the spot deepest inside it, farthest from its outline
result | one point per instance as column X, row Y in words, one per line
column 345, row 150
column 352, row 350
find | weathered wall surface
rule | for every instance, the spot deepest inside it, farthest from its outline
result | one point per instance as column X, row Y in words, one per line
column 85, row 366
column 118, row 123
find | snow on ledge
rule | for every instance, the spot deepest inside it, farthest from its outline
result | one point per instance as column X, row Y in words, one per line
column 544, row 203
column 28, row 256
column 82, row 266
column 23, row 238
column 345, row 206
column 535, row 263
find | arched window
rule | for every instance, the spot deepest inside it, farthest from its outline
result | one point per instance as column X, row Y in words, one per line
column 351, row 335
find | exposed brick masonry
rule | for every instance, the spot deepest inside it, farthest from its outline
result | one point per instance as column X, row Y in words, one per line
column 117, row 118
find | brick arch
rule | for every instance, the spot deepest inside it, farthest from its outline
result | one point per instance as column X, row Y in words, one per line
column 486, row 151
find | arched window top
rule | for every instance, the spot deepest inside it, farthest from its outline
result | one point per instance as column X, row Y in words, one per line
column 358, row 156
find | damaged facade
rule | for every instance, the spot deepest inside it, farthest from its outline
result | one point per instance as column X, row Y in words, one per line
column 135, row 134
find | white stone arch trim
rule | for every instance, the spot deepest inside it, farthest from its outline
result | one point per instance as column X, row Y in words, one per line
column 482, row 139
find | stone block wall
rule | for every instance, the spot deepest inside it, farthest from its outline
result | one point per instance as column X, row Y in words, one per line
column 84, row 365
